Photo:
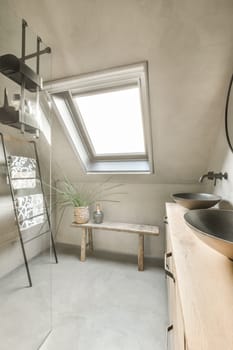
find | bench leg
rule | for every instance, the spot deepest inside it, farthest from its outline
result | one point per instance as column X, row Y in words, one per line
column 90, row 240
column 140, row 252
column 83, row 245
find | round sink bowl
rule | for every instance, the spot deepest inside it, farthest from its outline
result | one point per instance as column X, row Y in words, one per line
column 214, row 227
column 196, row 200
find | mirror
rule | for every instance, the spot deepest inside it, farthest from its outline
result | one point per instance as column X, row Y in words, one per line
column 229, row 115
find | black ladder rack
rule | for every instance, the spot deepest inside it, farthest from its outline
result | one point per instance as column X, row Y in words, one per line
column 18, row 222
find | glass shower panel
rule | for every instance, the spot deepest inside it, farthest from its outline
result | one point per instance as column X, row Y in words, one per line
column 25, row 199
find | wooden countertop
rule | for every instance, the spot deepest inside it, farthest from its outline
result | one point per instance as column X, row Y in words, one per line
column 205, row 283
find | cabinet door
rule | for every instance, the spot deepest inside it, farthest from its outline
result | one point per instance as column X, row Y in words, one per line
column 179, row 332
column 176, row 336
column 170, row 292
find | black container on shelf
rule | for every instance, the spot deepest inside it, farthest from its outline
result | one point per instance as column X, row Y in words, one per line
column 16, row 70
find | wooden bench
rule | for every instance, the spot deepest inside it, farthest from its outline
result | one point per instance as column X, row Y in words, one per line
column 141, row 230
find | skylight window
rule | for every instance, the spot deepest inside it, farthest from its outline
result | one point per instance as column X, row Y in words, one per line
column 113, row 121
column 106, row 118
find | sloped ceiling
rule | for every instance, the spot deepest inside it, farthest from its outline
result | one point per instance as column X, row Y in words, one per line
column 189, row 47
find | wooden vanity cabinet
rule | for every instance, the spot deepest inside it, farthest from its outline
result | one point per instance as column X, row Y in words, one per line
column 200, row 285
column 176, row 339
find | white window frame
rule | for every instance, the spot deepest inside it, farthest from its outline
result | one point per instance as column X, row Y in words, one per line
column 62, row 92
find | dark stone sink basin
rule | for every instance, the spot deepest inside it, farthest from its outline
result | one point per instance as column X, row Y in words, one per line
column 196, row 200
column 214, row 227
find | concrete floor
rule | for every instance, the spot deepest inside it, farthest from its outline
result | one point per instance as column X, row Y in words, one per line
column 104, row 303
column 25, row 313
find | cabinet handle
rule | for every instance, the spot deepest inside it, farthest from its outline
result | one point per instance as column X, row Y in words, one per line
column 167, row 271
column 169, row 328
column 165, row 220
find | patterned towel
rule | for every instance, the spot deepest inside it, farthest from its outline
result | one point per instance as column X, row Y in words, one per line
column 22, row 168
column 30, row 210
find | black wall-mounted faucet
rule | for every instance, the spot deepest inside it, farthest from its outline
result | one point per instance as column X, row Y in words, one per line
column 214, row 176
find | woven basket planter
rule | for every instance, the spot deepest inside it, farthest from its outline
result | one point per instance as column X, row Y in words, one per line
column 81, row 215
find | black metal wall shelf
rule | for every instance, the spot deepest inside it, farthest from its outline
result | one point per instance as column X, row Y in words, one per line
column 16, row 70
column 19, row 72
column 12, row 117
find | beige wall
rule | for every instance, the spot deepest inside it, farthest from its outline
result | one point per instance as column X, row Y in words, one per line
column 189, row 47
column 222, row 160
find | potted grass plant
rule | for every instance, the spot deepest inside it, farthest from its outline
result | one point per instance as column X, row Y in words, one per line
column 82, row 196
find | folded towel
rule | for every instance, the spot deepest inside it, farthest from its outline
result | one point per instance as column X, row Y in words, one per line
column 22, row 169
column 30, row 210
column 32, row 222
column 18, row 184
